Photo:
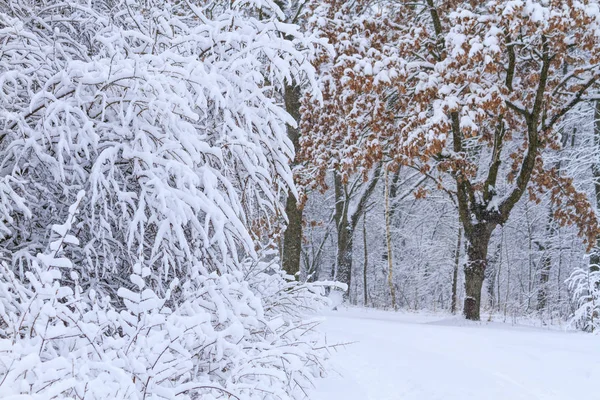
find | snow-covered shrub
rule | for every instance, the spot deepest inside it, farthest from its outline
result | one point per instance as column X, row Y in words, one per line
column 218, row 342
column 585, row 287
column 283, row 295
column 167, row 114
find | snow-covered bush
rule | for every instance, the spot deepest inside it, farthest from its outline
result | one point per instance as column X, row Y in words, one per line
column 585, row 287
column 167, row 115
column 218, row 342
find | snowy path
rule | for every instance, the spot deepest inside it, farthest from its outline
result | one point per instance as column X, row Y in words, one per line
column 413, row 357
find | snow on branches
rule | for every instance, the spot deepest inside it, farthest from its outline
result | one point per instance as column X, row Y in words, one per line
column 471, row 90
column 219, row 342
column 470, row 93
column 585, row 287
column 168, row 115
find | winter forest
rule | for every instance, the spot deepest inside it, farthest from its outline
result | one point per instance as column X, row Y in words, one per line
column 299, row 199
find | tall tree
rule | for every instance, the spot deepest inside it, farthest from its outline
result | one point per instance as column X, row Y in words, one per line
column 595, row 253
column 292, row 237
column 454, row 300
column 388, row 241
column 350, row 204
column 470, row 90
column 292, row 93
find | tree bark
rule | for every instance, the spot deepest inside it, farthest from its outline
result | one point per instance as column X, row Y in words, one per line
column 455, row 272
column 388, row 236
column 343, row 271
column 292, row 238
column 477, row 247
column 546, row 263
column 595, row 254
column 366, row 261
column 344, row 257
column 490, row 277
column 544, row 278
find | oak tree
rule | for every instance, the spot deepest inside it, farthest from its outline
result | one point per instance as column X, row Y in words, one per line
column 471, row 90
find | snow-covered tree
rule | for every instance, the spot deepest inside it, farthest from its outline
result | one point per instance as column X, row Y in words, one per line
column 220, row 340
column 169, row 116
column 473, row 91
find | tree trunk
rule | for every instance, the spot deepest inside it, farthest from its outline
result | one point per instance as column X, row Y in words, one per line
column 366, row 263
column 344, row 236
column 344, row 257
column 595, row 254
column 346, row 224
column 490, row 276
column 477, row 247
column 292, row 238
column 544, row 278
column 498, row 280
column 388, row 236
column 455, row 272
column 546, row 263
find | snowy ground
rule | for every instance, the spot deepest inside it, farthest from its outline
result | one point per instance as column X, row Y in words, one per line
column 417, row 357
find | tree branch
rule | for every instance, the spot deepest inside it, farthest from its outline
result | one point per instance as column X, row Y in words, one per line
column 529, row 160
column 577, row 98
column 364, row 197
column 495, row 164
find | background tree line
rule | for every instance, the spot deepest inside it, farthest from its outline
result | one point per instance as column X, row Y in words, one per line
column 452, row 157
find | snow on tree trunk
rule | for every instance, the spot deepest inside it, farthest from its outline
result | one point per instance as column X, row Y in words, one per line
column 455, row 271
column 388, row 240
column 477, row 248
column 292, row 238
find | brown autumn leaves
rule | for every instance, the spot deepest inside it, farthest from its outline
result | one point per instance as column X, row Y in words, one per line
column 470, row 93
